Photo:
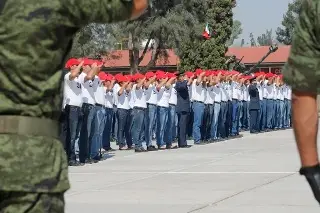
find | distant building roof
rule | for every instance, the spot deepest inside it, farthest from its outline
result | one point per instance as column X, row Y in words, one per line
column 120, row 58
column 253, row 54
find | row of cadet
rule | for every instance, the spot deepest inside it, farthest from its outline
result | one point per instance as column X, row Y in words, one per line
column 207, row 105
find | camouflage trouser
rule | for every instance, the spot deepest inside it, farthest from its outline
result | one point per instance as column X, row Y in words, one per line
column 33, row 174
column 22, row 202
column 302, row 70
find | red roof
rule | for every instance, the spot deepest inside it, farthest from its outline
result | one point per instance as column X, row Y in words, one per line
column 120, row 58
column 254, row 54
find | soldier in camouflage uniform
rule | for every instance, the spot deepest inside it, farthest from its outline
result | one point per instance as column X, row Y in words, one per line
column 35, row 37
column 302, row 72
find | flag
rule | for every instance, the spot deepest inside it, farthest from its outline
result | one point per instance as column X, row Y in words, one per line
column 206, row 32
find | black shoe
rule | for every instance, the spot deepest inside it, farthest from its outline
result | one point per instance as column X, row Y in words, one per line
column 140, row 150
column 97, row 158
column 185, row 146
column 171, row 147
column 152, row 148
column 74, row 163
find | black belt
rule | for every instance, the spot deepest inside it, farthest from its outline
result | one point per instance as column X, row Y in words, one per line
column 172, row 105
column 198, row 102
column 23, row 125
column 86, row 104
column 151, row 104
column 99, row 105
column 139, row 108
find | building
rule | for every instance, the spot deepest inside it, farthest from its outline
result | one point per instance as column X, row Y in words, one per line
column 118, row 61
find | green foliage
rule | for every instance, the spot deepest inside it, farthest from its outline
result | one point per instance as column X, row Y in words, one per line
column 93, row 40
column 284, row 34
column 266, row 39
column 236, row 32
column 208, row 54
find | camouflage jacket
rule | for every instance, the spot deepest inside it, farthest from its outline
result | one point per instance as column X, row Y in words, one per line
column 35, row 37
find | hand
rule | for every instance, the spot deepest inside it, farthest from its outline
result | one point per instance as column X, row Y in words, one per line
column 312, row 175
column 77, row 70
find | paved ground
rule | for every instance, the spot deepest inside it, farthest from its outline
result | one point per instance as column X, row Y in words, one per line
column 257, row 173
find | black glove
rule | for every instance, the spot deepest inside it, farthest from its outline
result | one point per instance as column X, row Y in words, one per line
column 313, row 177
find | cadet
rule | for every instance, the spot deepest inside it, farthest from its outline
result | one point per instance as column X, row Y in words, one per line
column 302, row 73
column 36, row 37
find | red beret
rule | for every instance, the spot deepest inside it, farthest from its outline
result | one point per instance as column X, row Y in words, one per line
column 161, row 75
column 129, row 78
column 138, row 76
column 160, row 72
column 171, row 75
column 102, row 76
column 189, row 74
column 87, row 62
column 150, row 75
column 198, row 72
column 71, row 62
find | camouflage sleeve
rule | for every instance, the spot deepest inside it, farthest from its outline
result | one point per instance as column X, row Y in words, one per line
column 98, row 11
column 302, row 70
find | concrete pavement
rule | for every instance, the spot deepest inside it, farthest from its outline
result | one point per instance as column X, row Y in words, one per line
column 256, row 173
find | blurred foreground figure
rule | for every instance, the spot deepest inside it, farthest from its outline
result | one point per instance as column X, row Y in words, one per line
column 35, row 37
column 302, row 72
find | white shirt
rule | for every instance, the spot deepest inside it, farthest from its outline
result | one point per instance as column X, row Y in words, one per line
column 87, row 90
column 274, row 92
column 289, row 91
column 190, row 92
column 224, row 92
column 209, row 96
column 216, row 91
column 139, row 97
column 228, row 91
column 72, row 92
column 260, row 89
column 123, row 99
column 163, row 97
column 173, row 95
column 269, row 91
column 151, row 94
column 245, row 93
column 241, row 93
column 131, row 100
column 235, row 88
column 109, row 98
column 198, row 91
column 281, row 93
column 99, row 91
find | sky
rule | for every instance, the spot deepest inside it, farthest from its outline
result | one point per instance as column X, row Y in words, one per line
column 257, row 16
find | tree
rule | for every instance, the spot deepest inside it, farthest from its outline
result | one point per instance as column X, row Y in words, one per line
column 284, row 34
column 252, row 40
column 93, row 40
column 242, row 42
column 236, row 32
column 163, row 26
column 266, row 39
column 208, row 54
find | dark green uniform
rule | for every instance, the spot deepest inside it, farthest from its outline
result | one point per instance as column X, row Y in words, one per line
column 302, row 71
column 35, row 37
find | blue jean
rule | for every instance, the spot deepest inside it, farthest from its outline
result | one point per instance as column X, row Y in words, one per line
column 235, row 117
column 198, row 110
column 277, row 114
column 287, row 113
column 223, row 120
column 282, row 115
column 149, row 123
column 269, row 114
column 73, row 129
column 87, row 130
column 137, row 126
column 260, row 116
column 99, row 123
column 215, row 121
column 264, row 114
column 240, row 125
column 106, row 138
column 245, row 122
column 274, row 113
column 170, row 128
column 114, row 132
column 124, row 125
column 162, row 119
